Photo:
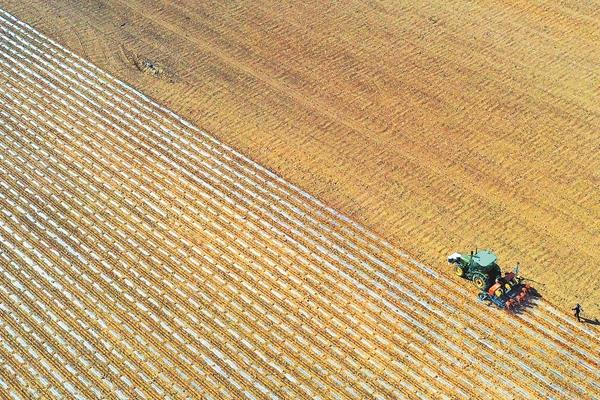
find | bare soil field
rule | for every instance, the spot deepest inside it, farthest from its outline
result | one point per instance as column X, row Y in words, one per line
column 440, row 125
column 141, row 257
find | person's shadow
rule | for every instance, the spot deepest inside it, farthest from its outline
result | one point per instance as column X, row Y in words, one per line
column 590, row 321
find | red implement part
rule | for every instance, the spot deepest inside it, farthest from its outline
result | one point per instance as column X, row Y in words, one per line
column 493, row 288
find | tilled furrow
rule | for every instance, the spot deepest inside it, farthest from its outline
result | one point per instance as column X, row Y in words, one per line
column 106, row 287
column 138, row 237
column 79, row 339
column 54, row 292
column 72, row 197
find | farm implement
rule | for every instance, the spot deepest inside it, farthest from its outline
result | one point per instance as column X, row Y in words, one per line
column 507, row 292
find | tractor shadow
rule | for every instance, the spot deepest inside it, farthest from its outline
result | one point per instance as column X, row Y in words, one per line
column 534, row 294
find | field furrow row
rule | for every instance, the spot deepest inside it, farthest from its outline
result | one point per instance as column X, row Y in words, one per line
column 140, row 257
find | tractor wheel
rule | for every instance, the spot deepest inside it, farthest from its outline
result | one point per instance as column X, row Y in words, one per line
column 499, row 292
column 479, row 281
column 459, row 271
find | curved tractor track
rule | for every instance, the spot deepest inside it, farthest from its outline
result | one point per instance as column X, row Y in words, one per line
column 141, row 258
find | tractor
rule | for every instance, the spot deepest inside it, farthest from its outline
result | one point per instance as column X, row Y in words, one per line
column 480, row 267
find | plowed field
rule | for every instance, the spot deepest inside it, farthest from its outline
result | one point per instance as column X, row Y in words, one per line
column 441, row 125
column 142, row 258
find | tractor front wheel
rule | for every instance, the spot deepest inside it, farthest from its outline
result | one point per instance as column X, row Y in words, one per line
column 459, row 271
column 479, row 281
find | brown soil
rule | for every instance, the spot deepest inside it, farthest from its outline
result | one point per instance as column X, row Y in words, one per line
column 142, row 258
column 441, row 125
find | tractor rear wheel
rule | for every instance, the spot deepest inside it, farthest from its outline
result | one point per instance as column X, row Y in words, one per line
column 479, row 281
column 459, row 271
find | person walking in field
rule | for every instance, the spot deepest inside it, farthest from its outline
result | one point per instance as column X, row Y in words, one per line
column 577, row 310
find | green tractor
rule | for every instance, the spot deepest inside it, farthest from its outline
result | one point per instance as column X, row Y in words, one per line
column 479, row 267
